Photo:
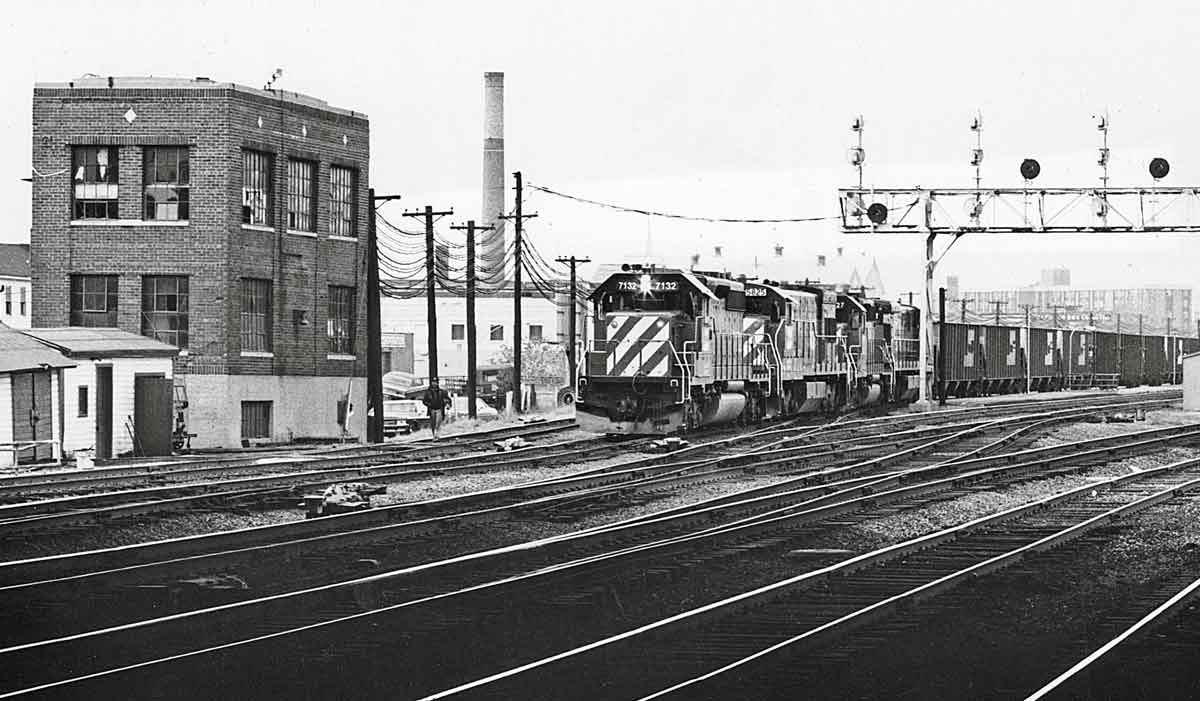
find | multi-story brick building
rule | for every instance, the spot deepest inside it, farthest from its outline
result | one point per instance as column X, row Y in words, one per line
column 226, row 220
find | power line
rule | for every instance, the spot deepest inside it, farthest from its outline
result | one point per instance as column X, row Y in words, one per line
column 683, row 217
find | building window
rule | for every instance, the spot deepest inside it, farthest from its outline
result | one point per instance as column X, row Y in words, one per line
column 8, row 300
column 497, row 332
column 302, row 205
column 256, row 315
column 535, row 332
column 341, row 201
column 257, row 194
column 341, row 320
column 82, row 401
column 24, row 307
column 256, row 420
column 165, row 308
column 94, row 176
column 93, row 300
column 385, row 360
column 458, row 332
column 166, row 178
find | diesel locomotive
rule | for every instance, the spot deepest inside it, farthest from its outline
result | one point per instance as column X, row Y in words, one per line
column 679, row 349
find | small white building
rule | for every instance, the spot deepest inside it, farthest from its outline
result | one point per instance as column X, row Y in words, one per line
column 1191, row 382
column 119, row 398
column 542, row 321
column 31, row 410
column 15, row 287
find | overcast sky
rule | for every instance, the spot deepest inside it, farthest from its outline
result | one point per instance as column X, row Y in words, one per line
column 710, row 108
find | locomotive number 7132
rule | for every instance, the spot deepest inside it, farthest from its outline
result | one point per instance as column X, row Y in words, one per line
column 656, row 285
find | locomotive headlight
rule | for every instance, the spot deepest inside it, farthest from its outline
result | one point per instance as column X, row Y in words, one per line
column 644, row 283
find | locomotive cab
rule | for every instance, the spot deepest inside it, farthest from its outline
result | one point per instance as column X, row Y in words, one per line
column 649, row 323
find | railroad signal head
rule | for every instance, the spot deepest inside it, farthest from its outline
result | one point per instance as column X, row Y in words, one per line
column 857, row 124
column 877, row 213
column 856, row 156
column 976, row 156
column 1159, row 167
column 1030, row 169
column 1102, row 159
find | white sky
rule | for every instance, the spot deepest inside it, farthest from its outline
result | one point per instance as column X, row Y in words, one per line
column 716, row 108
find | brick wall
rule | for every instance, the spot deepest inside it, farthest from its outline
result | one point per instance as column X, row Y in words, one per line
column 213, row 248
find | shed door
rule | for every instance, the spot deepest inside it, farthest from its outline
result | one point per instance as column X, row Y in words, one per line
column 33, row 415
column 153, row 397
column 104, row 411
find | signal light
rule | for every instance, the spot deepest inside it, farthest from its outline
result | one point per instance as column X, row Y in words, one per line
column 1159, row 167
column 976, row 156
column 1103, row 157
column 1030, row 169
column 624, row 267
column 857, row 124
column 856, row 156
column 877, row 213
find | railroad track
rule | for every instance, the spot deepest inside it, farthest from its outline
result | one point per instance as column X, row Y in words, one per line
column 258, row 491
column 618, row 482
column 1152, row 658
column 38, row 483
column 368, row 593
column 773, row 641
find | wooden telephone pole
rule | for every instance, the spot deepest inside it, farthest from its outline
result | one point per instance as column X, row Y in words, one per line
column 518, row 249
column 430, row 283
column 472, row 347
column 571, row 331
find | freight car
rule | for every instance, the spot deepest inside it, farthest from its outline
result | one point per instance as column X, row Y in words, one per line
column 984, row 359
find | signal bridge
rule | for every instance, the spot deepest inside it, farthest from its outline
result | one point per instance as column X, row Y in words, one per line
column 1020, row 210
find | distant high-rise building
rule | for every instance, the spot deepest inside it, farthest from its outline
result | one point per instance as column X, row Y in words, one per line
column 1056, row 277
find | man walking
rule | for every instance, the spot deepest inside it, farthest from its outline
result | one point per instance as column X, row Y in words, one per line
column 436, row 400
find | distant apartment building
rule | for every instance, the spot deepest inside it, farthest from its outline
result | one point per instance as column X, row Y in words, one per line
column 1157, row 309
column 16, row 300
column 224, row 220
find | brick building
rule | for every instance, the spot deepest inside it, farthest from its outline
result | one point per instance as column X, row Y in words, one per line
column 225, row 220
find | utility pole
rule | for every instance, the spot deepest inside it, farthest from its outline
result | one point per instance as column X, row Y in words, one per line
column 571, row 366
column 518, row 245
column 430, row 280
column 374, row 330
column 472, row 371
column 940, row 359
column 997, row 304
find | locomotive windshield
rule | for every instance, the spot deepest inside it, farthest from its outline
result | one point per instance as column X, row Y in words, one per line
column 648, row 293
column 760, row 301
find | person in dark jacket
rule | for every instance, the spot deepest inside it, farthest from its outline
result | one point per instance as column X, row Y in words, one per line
column 436, row 400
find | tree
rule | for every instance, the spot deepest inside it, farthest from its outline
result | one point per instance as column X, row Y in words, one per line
column 541, row 364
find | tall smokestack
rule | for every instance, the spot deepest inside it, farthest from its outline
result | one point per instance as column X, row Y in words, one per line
column 492, row 246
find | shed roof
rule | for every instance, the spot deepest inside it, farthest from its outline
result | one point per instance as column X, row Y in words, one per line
column 79, row 341
column 19, row 352
column 14, row 259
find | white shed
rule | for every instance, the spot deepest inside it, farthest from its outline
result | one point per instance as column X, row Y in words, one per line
column 1191, row 381
column 31, row 409
column 119, row 398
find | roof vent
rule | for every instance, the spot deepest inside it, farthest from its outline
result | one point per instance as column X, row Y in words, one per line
column 203, row 79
